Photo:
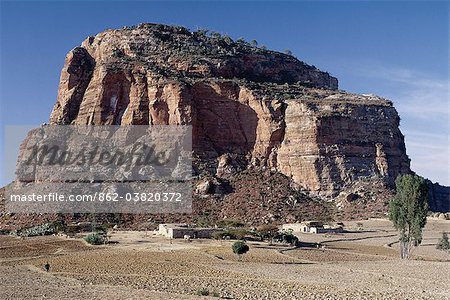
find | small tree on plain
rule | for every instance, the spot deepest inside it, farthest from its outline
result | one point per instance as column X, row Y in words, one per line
column 95, row 239
column 239, row 248
column 408, row 211
column 443, row 243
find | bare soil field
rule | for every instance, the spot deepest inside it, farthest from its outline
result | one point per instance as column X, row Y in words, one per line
column 361, row 263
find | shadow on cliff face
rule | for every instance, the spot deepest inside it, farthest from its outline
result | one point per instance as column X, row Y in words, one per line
column 79, row 71
column 221, row 124
column 439, row 197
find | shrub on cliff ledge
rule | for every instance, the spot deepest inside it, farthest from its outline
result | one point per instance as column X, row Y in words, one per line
column 408, row 211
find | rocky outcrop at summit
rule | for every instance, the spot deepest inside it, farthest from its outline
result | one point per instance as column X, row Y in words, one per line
column 248, row 106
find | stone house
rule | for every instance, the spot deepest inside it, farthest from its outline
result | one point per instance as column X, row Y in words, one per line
column 178, row 231
column 311, row 227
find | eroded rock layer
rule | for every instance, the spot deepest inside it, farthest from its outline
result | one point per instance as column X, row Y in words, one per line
column 248, row 106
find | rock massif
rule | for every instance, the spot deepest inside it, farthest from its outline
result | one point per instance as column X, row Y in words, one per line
column 249, row 107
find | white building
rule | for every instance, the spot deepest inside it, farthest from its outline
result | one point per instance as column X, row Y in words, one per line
column 310, row 227
column 178, row 231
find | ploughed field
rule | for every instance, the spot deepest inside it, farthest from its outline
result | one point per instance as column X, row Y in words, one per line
column 359, row 264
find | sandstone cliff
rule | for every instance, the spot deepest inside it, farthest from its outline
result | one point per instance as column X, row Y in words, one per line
column 248, row 106
column 274, row 139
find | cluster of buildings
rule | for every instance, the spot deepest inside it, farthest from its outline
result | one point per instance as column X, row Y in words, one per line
column 183, row 230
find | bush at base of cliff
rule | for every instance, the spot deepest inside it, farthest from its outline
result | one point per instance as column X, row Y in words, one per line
column 43, row 229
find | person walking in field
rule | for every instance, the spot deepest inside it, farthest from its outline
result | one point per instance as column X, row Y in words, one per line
column 47, row 267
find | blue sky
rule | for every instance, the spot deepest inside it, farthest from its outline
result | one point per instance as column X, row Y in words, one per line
column 396, row 49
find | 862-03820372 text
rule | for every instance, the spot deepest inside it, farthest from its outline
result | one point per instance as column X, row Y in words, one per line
column 98, row 197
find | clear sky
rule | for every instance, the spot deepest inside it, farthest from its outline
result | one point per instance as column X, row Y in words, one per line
column 396, row 49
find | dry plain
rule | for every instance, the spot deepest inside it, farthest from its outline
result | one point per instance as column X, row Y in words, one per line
column 361, row 263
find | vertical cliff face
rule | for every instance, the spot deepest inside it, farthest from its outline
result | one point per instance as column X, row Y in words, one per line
column 248, row 106
column 332, row 142
column 439, row 197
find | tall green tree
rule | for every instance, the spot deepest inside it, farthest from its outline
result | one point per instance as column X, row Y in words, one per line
column 408, row 211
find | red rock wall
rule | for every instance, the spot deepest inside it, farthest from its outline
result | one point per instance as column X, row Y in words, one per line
column 323, row 139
